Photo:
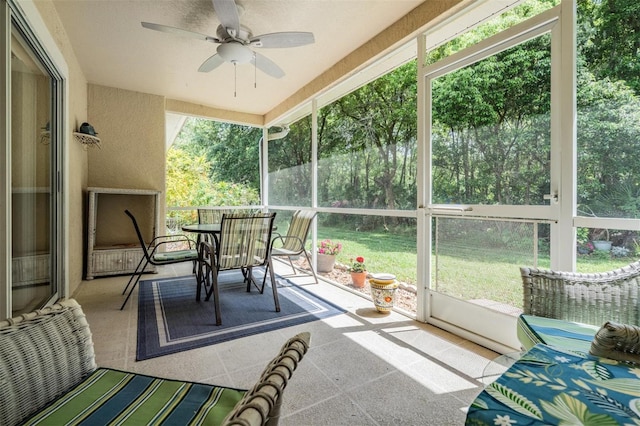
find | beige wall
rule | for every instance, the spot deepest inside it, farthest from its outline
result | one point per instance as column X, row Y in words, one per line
column 131, row 128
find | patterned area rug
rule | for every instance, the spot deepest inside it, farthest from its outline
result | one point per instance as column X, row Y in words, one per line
column 170, row 320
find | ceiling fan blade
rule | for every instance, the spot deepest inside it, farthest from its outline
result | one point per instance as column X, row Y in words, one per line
column 178, row 31
column 267, row 66
column 284, row 39
column 212, row 63
column 227, row 12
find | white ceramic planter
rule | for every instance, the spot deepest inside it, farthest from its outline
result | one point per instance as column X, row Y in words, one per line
column 602, row 245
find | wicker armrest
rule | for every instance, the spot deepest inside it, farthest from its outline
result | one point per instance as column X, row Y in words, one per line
column 261, row 404
column 617, row 341
column 43, row 354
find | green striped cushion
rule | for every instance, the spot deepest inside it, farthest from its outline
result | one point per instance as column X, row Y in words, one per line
column 572, row 336
column 110, row 396
column 176, row 255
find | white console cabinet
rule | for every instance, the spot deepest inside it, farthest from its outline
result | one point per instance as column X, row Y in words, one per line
column 112, row 244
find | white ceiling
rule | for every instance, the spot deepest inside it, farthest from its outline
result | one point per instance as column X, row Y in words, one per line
column 114, row 50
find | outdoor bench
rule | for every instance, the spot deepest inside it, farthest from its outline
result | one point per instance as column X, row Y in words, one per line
column 48, row 376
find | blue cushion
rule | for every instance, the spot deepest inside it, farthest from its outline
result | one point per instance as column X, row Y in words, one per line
column 573, row 336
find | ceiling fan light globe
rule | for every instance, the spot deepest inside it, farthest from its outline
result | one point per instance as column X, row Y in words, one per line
column 235, row 53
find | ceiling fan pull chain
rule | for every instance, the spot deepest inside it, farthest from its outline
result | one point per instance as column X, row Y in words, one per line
column 255, row 71
column 235, row 79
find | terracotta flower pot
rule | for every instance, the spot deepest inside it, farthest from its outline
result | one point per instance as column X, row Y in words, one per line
column 358, row 279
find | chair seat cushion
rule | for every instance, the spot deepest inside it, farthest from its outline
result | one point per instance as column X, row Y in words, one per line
column 176, row 255
column 572, row 336
column 111, row 396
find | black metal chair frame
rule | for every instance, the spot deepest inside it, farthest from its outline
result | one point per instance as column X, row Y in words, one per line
column 150, row 254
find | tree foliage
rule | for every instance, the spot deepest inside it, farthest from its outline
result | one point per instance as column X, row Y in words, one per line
column 214, row 164
column 290, row 166
column 491, row 128
column 367, row 144
column 608, row 108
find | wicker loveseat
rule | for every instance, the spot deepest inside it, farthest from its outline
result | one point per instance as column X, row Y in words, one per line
column 585, row 298
column 48, row 376
column 565, row 309
column 582, row 353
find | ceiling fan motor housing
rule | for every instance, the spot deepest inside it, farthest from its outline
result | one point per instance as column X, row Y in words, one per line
column 235, row 52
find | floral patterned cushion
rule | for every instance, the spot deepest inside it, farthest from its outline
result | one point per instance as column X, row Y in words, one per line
column 551, row 386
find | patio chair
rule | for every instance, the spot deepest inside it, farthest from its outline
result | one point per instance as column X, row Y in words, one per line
column 207, row 215
column 293, row 244
column 585, row 298
column 244, row 244
column 153, row 257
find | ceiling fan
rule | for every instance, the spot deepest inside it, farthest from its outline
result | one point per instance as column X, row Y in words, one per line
column 236, row 41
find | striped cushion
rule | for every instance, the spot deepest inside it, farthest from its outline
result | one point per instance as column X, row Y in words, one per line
column 572, row 336
column 176, row 255
column 244, row 239
column 110, row 396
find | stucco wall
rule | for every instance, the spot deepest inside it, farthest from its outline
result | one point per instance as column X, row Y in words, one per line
column 132, row 131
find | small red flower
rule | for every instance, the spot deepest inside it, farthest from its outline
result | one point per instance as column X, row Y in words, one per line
column 360, row 259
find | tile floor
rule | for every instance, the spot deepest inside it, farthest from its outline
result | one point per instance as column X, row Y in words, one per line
column 363, row 368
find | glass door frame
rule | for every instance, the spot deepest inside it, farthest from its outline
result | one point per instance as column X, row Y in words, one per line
column 25, row 18
column 494, row 331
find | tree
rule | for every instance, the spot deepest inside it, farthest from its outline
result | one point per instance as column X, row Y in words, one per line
column 290, row 166
column 214, row 164
column 374, row 128
column 492, row 127
column 232, row 150
column 608, row 108
column 611, row 39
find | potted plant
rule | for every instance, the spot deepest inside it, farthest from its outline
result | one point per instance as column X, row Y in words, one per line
column 600, row 240
column 358, row 272
column 327, row 252
column 383, row 291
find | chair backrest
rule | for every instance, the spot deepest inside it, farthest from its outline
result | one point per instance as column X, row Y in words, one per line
column 299, row 228
column 211, row 215
column 143, row 244
column 244, row 240
column 580, row 297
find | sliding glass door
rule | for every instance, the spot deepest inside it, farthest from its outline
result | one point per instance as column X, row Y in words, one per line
column 33, row 167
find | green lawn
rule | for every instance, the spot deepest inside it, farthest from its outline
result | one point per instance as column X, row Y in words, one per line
column 382, row 251
column 464, row 270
